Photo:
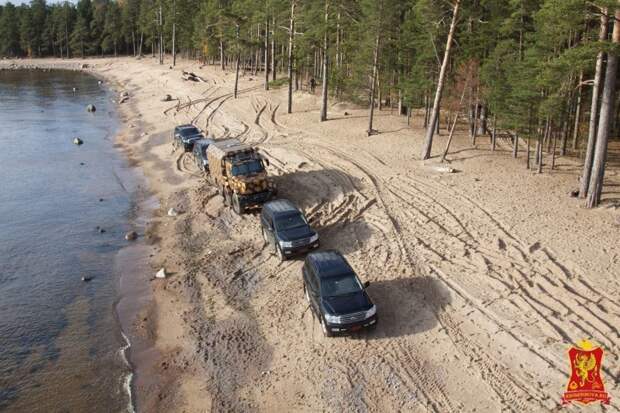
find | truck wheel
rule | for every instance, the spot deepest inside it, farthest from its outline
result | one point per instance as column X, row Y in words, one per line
column 236, row 205
column 326, row 332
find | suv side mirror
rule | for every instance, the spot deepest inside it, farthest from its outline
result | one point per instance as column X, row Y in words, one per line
column 367, row 284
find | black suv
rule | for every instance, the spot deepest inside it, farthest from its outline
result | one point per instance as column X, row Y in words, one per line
column 286, row 228
column 186, row 135
column 336, row 295
column 200, row 153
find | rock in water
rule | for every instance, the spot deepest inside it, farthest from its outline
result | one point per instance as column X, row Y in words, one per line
column 87, row 278
column 91, row 108
column 172, row 212
column 131, row 236
column 161, row 274
column 78, row 141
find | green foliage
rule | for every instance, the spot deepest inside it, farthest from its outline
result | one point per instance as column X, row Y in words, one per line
column 520, row 58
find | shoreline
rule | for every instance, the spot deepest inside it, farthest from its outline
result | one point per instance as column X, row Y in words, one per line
column 461, row 254
column 132, row 263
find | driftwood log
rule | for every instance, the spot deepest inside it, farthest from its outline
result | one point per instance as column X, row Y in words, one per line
column 193, row 77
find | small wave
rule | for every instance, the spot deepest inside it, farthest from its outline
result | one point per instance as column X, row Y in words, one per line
column 129, row 377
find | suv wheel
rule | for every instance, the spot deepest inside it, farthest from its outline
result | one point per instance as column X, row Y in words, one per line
column 280, row 254
column 326, row 332
column 236, row 204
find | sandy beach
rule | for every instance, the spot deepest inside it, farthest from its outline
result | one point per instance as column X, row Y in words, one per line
column 483, row 277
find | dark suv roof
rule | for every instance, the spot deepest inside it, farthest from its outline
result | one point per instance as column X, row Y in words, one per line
column 280, row 206
column 329, row 263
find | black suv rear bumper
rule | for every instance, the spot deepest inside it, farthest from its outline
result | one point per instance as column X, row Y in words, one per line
column 353, row 327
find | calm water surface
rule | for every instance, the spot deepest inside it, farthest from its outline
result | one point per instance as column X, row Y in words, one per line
column 59, row 337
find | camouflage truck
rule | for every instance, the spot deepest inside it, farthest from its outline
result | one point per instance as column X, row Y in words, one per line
column 238, row 172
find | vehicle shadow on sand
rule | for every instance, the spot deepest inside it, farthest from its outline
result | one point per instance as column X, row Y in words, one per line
column 407, row 306
column 331, row 201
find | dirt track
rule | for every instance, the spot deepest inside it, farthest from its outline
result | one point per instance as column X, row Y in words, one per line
column 482, row 278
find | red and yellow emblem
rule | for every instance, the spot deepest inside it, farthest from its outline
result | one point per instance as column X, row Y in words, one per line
column 585, row 384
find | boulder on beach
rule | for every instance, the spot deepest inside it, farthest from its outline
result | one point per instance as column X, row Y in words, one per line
column 131, row 236
column 167, row 98
column 444, row 169
column 91, row 108
column 161, row 274
column 173, row 212
column 78, row 141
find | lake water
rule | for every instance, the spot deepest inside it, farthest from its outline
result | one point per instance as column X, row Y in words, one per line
column 60, row 341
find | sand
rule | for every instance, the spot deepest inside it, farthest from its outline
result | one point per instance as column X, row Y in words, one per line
column 483, row 278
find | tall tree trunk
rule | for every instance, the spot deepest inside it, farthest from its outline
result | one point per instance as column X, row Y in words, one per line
column 494, row 135
column 428, row 143
column 528, row 155
column 456, row 118
column 482, row 125
column 237, row 64
column 222, row 64
column 174, row 33
column 373, row 84
column 267, row 53
column 426, row 109
column 291, row 44
column 594, row 108
column 605, row 119
column 161, row 37
column 577, row 113
column 325, row 65
column 273, row 49
column 515, row 145
column 553, row 150
column 539, row 153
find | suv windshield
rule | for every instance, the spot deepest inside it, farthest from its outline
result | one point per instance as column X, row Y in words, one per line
column 247, row 168
column 290, row 221
column 340, row 285
column 190, row 131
